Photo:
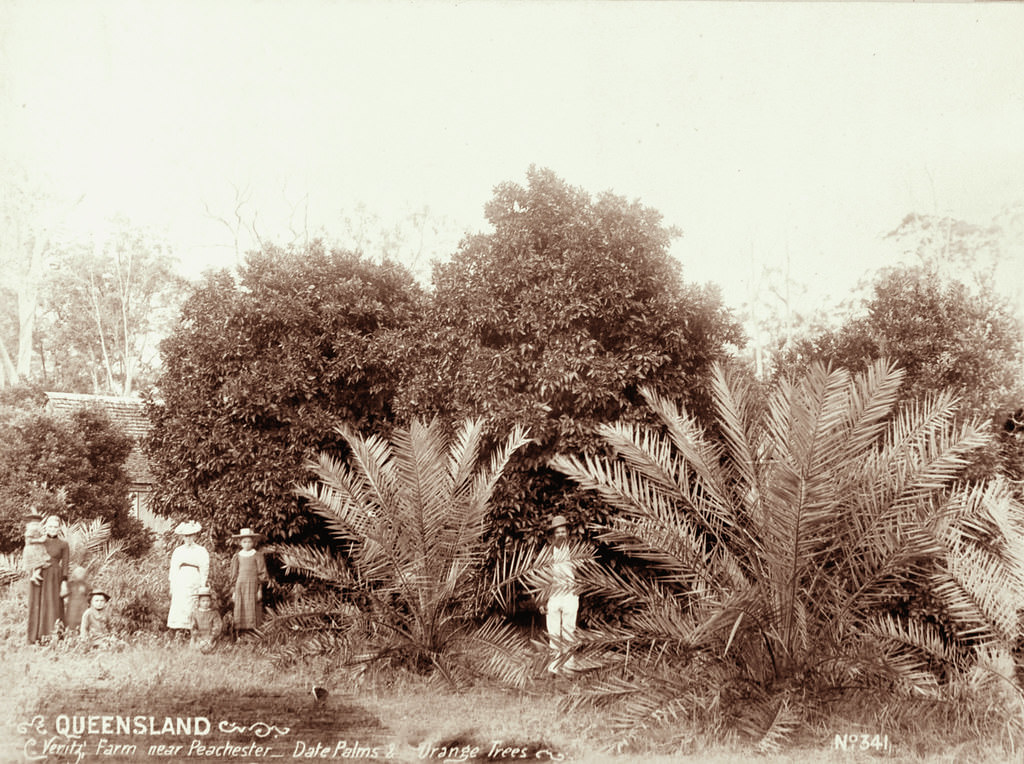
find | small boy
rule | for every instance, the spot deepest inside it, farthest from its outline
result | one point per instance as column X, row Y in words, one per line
column 34, row 558
column 206, row 622
column 96, row 620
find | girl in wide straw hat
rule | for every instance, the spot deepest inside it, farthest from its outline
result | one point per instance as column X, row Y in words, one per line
column 190, row 566
column 249, row 572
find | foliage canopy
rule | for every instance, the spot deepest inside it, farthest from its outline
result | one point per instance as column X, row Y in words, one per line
column 822, row 546
column 258, row 373
column 70, row 465
column 945, row 335
column 553, row 321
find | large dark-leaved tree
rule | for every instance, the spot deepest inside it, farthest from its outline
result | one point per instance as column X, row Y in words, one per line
column 260, row 370
column 554, row 320
column 941, row 331
column 72, row 466
column 947, row 334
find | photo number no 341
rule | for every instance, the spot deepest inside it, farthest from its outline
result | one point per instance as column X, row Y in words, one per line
column 862, row 741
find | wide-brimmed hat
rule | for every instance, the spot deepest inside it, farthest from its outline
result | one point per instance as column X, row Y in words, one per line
column 33, row 516
column 100, row 593
column 188, row 528
column 558, row 521
column 204, row 591
column 247, row 533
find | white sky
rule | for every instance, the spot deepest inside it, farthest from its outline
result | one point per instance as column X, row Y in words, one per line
column 757, row 128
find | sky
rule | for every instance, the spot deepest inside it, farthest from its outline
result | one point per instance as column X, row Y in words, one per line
column 778, row 135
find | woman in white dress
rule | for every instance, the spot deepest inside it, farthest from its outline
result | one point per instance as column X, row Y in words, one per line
column 190, row 565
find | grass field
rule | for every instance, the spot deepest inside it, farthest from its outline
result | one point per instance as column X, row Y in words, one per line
column 397, row 716
column 118, row 702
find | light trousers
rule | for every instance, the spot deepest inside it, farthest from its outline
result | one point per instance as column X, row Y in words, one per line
column 561, row 623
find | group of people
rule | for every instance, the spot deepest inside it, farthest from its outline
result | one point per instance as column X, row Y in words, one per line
column 59, row 600
column 192, row 610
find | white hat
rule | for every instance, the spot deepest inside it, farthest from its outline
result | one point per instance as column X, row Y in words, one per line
column 188, row 528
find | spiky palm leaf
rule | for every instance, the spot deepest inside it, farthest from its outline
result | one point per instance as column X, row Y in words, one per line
column 409, row 515
column 798, row 531
column 11, row 568
column 89, row 545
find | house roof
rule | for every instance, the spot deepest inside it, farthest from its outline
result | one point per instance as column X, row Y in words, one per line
column 128, row 416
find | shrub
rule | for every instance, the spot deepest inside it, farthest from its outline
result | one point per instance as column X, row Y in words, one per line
column 408, row 521
column 70, row 466
column 778, row 555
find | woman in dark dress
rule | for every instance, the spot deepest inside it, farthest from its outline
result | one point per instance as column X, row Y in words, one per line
column 45, row 599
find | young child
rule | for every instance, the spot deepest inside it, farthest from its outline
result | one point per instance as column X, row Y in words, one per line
column 96, row 620
column 206, row 623
column 249, row 572
column 78, row 598
column 34, row 558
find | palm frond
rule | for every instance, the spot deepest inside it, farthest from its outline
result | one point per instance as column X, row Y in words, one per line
column 737, row 419
column 463, row 456
column 373, row 482
column 424, row 494
column 87, row 539
column 10, row 568
column 873, row 397
column 979, row 593
column 784, row 724
column 924, row 639
column 700, row 454
column 487, row 479
column 313, row 561
column 500, row 651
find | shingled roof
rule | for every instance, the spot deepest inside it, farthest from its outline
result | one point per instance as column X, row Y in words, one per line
column 127, row 414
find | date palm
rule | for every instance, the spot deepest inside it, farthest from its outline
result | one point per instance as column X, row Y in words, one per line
column 408, row 518
column 820, row 543
column 89, row 545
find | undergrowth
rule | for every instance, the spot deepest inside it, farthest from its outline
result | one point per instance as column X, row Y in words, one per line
column 975, row 720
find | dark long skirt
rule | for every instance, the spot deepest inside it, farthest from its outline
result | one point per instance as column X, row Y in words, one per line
column 45, row 607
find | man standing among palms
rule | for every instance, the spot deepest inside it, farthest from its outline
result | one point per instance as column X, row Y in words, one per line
column 563, row 603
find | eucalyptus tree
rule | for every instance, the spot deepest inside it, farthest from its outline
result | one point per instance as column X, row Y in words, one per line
column 108, row 303
column 32, row 216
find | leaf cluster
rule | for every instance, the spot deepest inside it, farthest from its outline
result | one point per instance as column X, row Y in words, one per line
column 823, row 544
column 259, row 372
column 68, row 465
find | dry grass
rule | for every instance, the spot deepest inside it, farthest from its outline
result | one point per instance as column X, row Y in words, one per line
column 152, row 675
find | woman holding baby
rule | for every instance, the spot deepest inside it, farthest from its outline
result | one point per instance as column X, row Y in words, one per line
column 47, row 555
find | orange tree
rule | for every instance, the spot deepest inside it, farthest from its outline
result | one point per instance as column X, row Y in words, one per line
column 72, row 466
column 259, row 371
column 554, row 320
